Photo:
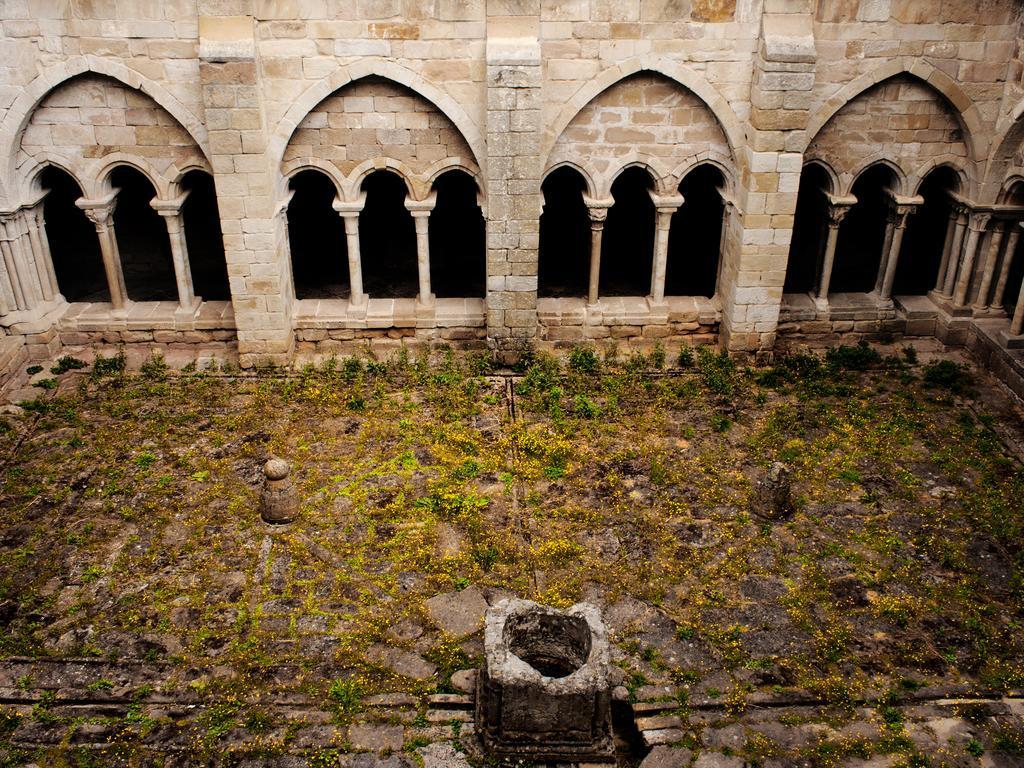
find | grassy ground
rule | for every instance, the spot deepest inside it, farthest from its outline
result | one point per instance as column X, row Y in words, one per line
column 129, row 524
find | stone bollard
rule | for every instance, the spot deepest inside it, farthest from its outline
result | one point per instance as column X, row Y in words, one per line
column 279, row 501
column 773, row 494
column 543, row 693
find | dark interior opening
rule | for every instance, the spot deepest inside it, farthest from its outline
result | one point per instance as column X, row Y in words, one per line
column 142, row 239
column 810, row 228
column 387, row 239
column 627, row 249
column 457, row 238
column 203, row 237
column 862, row 233
column 554, row 644
column 695, row 236
column 74, row 245
column 925, row 237
column 564, row 257
column 316, row 238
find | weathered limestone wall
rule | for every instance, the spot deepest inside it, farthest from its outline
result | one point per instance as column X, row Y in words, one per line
column 373, row 119
column 900, row 120
column 90, row 118
column 252, row 89
column 644, row 118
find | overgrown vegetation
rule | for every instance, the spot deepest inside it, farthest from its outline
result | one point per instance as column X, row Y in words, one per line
column 130, row 511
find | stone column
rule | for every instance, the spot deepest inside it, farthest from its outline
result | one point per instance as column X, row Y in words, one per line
column 978, row 223
column 1004, row 272
column 33, row 275
column 664, row 206
column 420, row 210
column 947, row 248
column 981, row 301
column 883, row 259
column 955, row 253
column 41, row 247
column 598, row 212
column 349, row 212
column 837, row 211
column 1017, row 324
column 900, row 213
column 19, row 298
column 101, row 214
column 170, row 210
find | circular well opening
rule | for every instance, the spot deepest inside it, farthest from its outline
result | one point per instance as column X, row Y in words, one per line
column 554, row 644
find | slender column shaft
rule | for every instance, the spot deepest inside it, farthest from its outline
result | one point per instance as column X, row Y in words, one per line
column 45, row 242
column 1017, row 324
column 1004, row 272
column 596, row 234
column 892, row 259
column 422, row 220
column 597, row 210
column 47, row 277
column 179, row 255
column 883, row 262
column 102, row 216
column 663, row 222
column 836, row 214
column 24, row 258
column 955, row 254
column 355, row 264
column 963, row 282
column 17, row 291
column 991, row 258
column 947, row 249
column 420, row 210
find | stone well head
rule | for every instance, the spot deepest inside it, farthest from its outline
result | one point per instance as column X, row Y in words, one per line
column 543, row 693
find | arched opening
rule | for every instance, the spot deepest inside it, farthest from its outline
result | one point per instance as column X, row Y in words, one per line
column 810, row 227
column 387, row 239
column 564, row 254
column 201, row 220
column 862, row 233
column 457, row 238
column 921, row 252
column 316, row 238
column 695, row 236
column 74, row 246
column 142, row 239
column 627, row 248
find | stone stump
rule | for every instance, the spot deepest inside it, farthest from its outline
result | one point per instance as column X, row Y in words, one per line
column 279, row 501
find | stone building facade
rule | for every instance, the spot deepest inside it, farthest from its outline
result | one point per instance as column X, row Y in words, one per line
column 271, row 177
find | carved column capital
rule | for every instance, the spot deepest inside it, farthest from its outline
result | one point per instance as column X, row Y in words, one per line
column 350, row 209
column 979, row 220
column 836, row 213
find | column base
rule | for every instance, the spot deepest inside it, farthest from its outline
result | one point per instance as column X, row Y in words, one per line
column 658, row 311
column 188, row 311
column 426, row 312
column 357, row 309
column 1009, row 341
column 945, row 303
column 988, row 313
column 820, row 303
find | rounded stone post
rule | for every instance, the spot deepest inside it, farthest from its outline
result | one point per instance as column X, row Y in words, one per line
column 597, row 210
column 349, row 212
column 279, row 501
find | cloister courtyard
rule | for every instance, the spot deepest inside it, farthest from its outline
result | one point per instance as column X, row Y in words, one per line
column 148, row 617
